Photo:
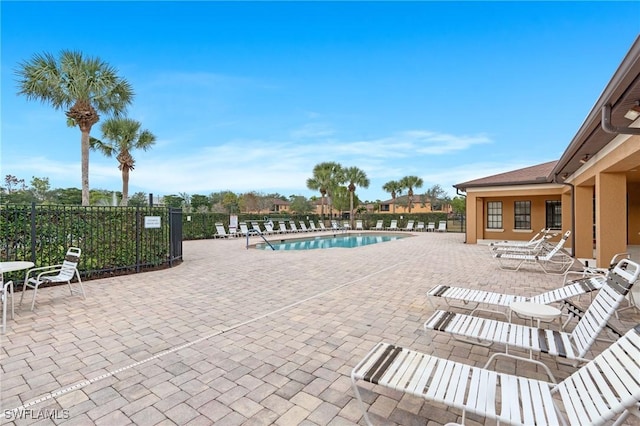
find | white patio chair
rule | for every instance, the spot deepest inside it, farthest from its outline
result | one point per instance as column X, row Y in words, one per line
column 606, row 388
column 322, row 227
column 409, row 226
column 431, row 227
column 420, row 227
column 62, row 273
column 555, row 261
column 533, row 240
column 393, row 226
column 359, row 225
column 283, row 228
column 442, row 226
column 244, row 231
column 293, row 227
column 313, row 227
column 572, row 346
column 268, row 226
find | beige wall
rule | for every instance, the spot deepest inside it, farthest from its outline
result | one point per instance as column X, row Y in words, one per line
column 538, row 195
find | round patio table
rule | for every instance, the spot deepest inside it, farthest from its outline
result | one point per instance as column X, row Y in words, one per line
column 8, row 286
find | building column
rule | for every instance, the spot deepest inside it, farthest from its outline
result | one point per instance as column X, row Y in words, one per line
column 567, row 215
column 471, row 219
column 611, row 216
column 584, row 222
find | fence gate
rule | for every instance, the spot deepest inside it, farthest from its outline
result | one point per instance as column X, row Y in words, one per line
column 175, row 235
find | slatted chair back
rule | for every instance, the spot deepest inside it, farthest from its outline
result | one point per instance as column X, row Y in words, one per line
column 220, row 231
column 607, row 387
column 69, row 265
column 379, row 224
column 312, row 226
column 558, row 246
column 410, row 225
column 303, row 226
column 293, row 227
column 283, row 228
column 618, row 284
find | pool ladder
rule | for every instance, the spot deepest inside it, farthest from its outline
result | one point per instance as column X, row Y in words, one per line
column 255, row 231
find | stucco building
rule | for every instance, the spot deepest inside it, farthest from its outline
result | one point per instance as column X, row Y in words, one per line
column 593, row 189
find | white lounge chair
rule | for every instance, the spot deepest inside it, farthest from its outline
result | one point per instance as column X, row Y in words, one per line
column 293, row 227
column 244, row 231
column 532, row 241
column 602, row 390
column 255, row 226
column 409, row 226
column 379, row 225
column 322, row 227
column 431, row 227
column 555, row 261
column 393, row 226
column 313, row 227
column 62, row 273
column 442, row 226
column 303, row 227
column 283, row 227
column 221, row 232
column 481, row 297
column 572, row 346
column 359, row 225
column 420, row 227
column 268, row 226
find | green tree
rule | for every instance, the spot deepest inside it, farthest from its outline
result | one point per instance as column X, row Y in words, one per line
column 12, row 183
column 341, row 197
column 68, row 196
column 354, row 176
column 200, row 202
column 322, row 180
column 85, row 86
column 436, row 196
column 40, row 188
column 230, row 202
column 172, row 200
column 139, row 199
column 123, row 135
column 300, row 205
column 394, row 188
column 459, row 205
column 408, row 183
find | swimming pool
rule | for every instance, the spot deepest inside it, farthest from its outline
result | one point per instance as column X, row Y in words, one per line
column 330, row 241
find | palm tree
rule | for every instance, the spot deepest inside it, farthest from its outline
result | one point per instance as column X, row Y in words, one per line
column 410, row 182
column 394, row 188
column 124, row 135
column 86, row 87
column 354, row 176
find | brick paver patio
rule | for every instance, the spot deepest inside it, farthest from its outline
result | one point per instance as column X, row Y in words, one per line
column 248, row 337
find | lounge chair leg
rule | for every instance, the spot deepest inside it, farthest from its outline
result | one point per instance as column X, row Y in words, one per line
column 356, row 391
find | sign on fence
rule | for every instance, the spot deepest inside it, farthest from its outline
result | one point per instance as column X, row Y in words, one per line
column 152, row 222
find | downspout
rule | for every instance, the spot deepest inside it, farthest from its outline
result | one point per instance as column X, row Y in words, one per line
column 609, row 128
column 465, row 213
column 573, row 214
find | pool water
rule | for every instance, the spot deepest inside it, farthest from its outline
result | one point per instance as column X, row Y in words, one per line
column 330, row 241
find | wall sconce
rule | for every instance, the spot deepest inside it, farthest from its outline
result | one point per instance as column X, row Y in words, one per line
column 634, row 112
column 584, row 159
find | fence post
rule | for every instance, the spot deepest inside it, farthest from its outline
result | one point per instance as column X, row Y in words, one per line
column 33, row 231
column 138, row 232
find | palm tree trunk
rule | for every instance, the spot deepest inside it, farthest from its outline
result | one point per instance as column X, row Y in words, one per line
column 351, row 208
column 84, row 145
column 125, row 187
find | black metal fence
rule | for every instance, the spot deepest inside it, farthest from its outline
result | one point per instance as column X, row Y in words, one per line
column 114, row 240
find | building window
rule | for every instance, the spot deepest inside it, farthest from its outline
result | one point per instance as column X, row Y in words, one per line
column 522, row 214
column 494, row 215
column 554, row 214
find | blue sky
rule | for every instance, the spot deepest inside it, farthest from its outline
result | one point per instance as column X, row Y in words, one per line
column 249, row 96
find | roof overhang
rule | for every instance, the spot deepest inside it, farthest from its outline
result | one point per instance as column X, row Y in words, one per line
column 620, row 95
